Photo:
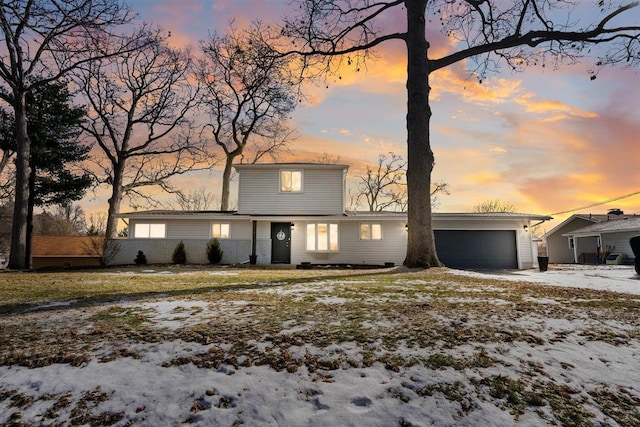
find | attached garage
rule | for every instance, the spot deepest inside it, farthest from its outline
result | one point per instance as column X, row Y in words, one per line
column 477, row 249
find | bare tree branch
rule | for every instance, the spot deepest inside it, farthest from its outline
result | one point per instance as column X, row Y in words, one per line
column 249, row 92
column 43, row 41
column 328, row 35
column 140, row 105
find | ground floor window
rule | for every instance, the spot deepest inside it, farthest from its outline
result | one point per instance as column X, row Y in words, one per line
column 322, row 237
column 371, row 231
column 149, row 231
column 220, row 231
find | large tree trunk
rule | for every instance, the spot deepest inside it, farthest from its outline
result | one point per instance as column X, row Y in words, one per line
column 18, row 254
column 117, row 192
column 30, row 207
column 226, row 181
column 421, row 248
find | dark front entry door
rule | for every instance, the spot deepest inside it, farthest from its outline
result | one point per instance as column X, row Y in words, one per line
column 281, row 243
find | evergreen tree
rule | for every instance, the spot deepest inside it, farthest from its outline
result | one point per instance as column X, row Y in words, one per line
column 54, row 130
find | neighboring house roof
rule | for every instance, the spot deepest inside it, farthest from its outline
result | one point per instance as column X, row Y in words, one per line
column 595, row 218
column 619, row 225
column 66, row 246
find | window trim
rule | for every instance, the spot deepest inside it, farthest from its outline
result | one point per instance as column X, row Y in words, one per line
column 330, row 225
column 370, row 225
column 281, row 190
column 149, row 224
column 228, row 224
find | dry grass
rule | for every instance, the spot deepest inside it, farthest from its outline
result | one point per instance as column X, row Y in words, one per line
column 288, row 319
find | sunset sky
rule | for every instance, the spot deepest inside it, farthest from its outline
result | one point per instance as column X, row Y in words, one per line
column 544, row 140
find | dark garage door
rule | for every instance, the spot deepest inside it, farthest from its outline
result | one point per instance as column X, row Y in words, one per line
column 477, row 249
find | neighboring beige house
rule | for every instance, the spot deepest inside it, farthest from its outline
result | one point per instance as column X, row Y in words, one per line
column 294, row 213
column 606, row 237
column 560, row 250
column 66, row 251
column 581, row 237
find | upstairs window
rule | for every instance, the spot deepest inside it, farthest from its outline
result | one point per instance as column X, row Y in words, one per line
column 290, row 181
column 322, row 237
column 371, row 231
column 149, row 231
column 220, row 231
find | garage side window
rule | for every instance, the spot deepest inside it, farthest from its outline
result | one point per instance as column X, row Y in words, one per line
column 322, row 237
column 371, row 231
column 220, row 231
column 290, row 181
column 150, row 231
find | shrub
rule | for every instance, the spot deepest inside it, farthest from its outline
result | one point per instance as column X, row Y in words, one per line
column 140, row 258
column 214, row 251
column 179, row 254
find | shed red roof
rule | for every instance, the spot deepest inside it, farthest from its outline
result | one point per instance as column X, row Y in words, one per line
column 77, row 246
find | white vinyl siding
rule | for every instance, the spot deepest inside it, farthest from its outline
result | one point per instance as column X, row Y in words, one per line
column 189, row 228
column 259, row 193
column 149, row 231
column 619, row 242
column 353, row 250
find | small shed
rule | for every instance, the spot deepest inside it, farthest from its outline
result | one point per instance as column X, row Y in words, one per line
column 66, row 251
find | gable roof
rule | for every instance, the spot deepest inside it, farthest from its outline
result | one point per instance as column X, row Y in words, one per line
column 66, row 246
column 594, row 218
column 618, row 225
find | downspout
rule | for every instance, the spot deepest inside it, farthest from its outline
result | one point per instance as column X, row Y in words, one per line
column 253, row 258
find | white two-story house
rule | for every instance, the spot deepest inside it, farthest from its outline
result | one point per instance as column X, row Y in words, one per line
column 294, row 213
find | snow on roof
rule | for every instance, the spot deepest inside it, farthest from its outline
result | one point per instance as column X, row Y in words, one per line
column 595, row 218
column 624, row 224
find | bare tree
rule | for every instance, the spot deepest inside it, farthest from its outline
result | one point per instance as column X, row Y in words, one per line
column 381, row 187
column 384, row 187
column 329, row 159
column 328, row 34
column 249, row 93
column 438, row 188
column 64, row 220
column 48, row 38
column 97, row 224
column 199, row 199
column 495, row 205
column 7, row 152
column 139, row 105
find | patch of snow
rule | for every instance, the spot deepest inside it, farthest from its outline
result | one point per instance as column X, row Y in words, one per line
column 614, row 278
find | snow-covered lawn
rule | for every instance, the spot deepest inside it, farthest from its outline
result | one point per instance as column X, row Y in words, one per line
column 385, row 348
column 614, row 278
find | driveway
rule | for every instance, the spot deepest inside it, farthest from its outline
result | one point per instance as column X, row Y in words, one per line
column 614, row 278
